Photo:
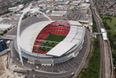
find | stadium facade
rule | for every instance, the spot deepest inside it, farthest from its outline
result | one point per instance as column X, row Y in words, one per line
column 38, row 48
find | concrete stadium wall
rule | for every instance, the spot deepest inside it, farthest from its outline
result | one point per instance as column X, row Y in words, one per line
column 51, row 60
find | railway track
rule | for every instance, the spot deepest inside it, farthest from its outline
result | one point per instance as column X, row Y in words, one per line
column 106, row 70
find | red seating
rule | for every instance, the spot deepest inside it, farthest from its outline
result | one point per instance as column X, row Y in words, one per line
column 55, row 28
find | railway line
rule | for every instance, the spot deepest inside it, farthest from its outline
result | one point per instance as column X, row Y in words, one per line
column 106, row 69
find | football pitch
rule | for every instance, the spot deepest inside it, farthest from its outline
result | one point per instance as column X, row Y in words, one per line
column 51, row 41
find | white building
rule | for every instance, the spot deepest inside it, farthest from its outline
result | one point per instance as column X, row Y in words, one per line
column 16, row 8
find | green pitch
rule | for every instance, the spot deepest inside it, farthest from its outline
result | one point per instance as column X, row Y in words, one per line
column 51, row 41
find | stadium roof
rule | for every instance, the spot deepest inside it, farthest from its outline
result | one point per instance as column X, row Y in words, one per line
column 65, row 45
column 28, row 37
column 60, row 49
column 73, row 38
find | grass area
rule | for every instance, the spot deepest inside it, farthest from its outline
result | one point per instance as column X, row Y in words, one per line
column 93, row 68
column 94, row 28
column 110, row 24
column 56, row 38
column 54, row 41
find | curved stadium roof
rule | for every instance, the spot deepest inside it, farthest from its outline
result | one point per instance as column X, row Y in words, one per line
column 34, row 38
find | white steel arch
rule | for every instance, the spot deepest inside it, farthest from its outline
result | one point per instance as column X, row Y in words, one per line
column 19, row 26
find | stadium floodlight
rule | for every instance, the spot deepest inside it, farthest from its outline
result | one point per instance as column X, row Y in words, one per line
column 33, row 10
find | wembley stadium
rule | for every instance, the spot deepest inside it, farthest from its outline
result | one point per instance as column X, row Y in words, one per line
column 48, row 45
column 51, row 42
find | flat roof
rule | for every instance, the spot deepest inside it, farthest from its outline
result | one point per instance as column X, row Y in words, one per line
column 75, row 23
column 85, row 5
column 58, row 13
column 5, row 26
